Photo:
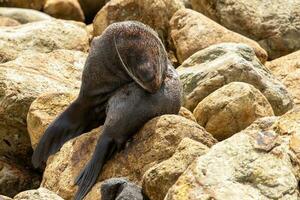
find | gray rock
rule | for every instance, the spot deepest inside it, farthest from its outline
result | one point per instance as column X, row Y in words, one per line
column 211, row 68
column 120, row 189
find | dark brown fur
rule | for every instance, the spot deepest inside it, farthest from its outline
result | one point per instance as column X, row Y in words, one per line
column 127, row 80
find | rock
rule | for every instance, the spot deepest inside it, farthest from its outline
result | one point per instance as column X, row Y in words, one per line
column 191, row 31
column 155, row 142
column 95, row 193
column 38, row 194
column 231, row 109
column 4, row 198
column 159, row 178
column 155, row 13
column 6, row 21
column 14, row 178
column 91, row 7
column 287, row 69
column 273, row 24
column 211, row 68
column 187, row 114
column 252, row 164
column 22, row 81
column 33, row 4
column 119, row 188
column 24, row 15
column 42, row 112
column 44, row 36
column 64, row 9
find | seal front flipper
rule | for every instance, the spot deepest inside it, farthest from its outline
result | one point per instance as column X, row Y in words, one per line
column 69, row 124
column 88, row 176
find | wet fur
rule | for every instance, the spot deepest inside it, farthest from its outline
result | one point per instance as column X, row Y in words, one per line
column 111, row 95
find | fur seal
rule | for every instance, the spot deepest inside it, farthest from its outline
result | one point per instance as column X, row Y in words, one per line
column 126, row 81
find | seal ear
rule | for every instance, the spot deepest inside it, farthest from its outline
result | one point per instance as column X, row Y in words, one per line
column 67, row 125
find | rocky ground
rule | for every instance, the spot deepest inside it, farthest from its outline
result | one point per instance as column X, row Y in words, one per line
column 237, row 135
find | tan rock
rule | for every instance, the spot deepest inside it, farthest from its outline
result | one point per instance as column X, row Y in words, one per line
column 15, row 178
column 33, row 4
column 6, row 21
column 211, row 68
column 155, row 142
column 22, row 81
column 43, row 36
column 155, row 13
column 273, row 24
column 159, row 178
column 191, row 31
column 95, row 193
column 64, row 9
column 5, row 198
column 23, row 15
column 187, row 114
column 39, row 194
column 252, row 164
column 231, row 109
column 287, row 69
column 42, row 112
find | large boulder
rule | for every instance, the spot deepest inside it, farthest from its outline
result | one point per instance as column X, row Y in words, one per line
column 14, row 178
column 191, row 31
column 253, row 164
column 64, row 9
column 159, row 178
column 287, row 69
column 23, row 15
column 155, row 142
column 273, row 24
column 33, row 4
column 211, row 68
column 5, row 197
column 38, row 194
column 22, row 81
column 231, row 109
column 43, row 37
column 155, row 13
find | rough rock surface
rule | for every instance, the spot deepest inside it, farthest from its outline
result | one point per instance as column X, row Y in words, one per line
column 274, row 24
column 42, row 112
column 23, row 15
column 155, row 142
column 33, row 4
column 6, row 21
column 187, row 114
column 5, row 198
column 258, row 164
column 211, row 68
column 287, row 69
column 191, row 31
column 14, row 178
column 64, row 9
column 155, row 13
column 43, row 37
column 231, row 109
column 39, row 194
column 22, row 81
column 159, row 178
